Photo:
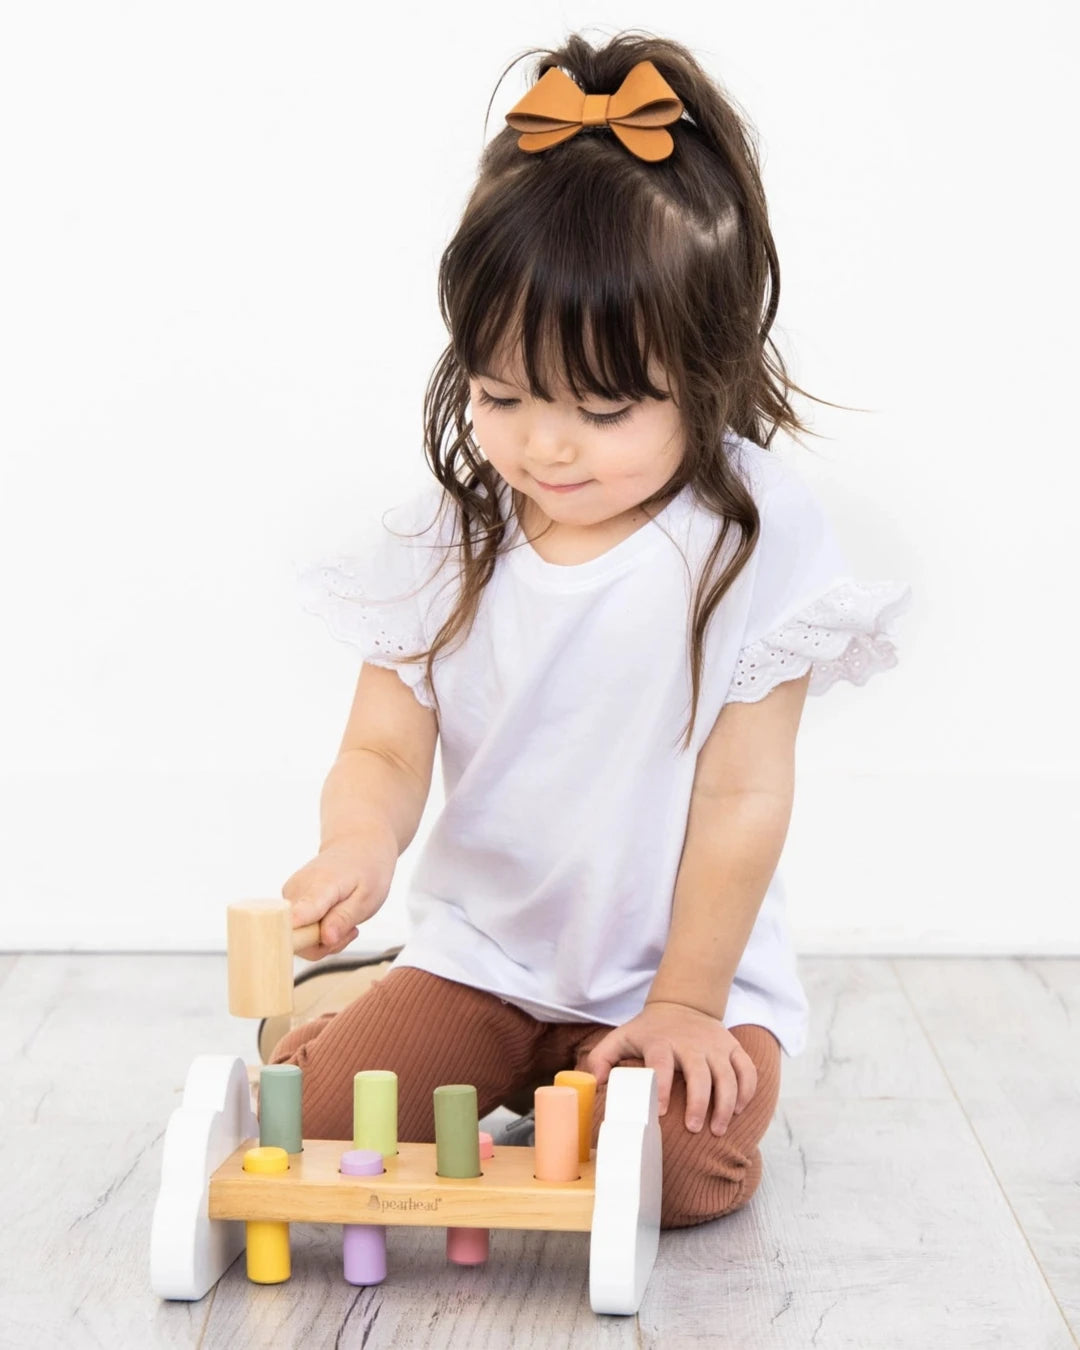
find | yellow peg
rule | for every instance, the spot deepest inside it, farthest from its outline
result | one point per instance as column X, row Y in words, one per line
column 267, row 1240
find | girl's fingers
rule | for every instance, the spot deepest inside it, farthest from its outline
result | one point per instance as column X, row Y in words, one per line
column 699, row 1086
column 662, row 1059
column 347, row 939
column 322, row 949
column 339, row 924
column 746, row 1072
column 726, row 1088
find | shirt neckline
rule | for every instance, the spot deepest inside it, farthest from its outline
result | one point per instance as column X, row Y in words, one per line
column 526, row 562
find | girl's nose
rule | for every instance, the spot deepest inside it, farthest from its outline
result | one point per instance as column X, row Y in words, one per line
column 547, row 441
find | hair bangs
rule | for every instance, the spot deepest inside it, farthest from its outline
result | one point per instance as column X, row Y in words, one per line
column 551, row 305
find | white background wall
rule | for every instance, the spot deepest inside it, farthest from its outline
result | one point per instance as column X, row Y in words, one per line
column 218, row 250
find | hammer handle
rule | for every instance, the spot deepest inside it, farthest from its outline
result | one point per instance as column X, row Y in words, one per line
column 305, row 936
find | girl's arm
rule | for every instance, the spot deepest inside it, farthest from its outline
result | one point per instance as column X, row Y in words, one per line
column 383, row 770
column 740, row 809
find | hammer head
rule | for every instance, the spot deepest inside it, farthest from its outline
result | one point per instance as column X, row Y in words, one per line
column 260, row 956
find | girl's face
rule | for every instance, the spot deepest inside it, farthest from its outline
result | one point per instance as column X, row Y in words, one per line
column 620, row 452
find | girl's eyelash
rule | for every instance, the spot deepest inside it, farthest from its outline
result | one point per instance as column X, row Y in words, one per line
column 595, row 419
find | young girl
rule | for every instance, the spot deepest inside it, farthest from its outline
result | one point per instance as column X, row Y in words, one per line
column 608, row 608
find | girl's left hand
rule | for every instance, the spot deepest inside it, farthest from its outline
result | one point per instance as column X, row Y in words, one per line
column 667, row 1034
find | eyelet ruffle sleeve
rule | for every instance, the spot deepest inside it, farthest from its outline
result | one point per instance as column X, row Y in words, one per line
column 806, row 611
column 839, row 636
column 335, row 589
column 379, row 597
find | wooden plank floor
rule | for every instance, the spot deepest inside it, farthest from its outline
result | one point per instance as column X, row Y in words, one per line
column 921, row 1186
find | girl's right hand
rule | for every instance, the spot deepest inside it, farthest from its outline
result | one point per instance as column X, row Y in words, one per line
column 341, row 887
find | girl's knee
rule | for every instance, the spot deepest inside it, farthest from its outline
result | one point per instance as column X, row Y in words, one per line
column 708, row 1175
column 326, row 1098
column 287, row 1048
column 714, row 1182
column 705, row 1175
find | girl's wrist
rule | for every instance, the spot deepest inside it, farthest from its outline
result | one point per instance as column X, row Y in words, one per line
column 374, row 834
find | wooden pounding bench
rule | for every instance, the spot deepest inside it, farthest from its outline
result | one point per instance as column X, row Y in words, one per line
column 232, row 1182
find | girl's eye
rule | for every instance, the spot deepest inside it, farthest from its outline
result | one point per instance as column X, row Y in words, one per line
column 594, row 419
column 489, row 402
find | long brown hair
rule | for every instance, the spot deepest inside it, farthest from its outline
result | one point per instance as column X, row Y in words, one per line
column 589, row 260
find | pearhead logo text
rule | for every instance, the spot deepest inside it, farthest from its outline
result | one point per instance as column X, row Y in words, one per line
column 408, row 1202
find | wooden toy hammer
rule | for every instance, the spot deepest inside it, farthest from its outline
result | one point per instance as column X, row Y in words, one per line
column 261, row 943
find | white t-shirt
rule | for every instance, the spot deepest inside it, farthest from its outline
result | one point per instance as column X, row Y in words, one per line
column 549, row 874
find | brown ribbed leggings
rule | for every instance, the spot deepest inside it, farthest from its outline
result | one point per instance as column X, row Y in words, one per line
column 431, row 1030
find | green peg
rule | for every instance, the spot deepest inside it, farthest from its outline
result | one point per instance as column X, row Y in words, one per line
column 457, row 1134
column 279, row 1107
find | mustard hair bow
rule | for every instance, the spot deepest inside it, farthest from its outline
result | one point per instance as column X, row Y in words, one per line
column 556, row 108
